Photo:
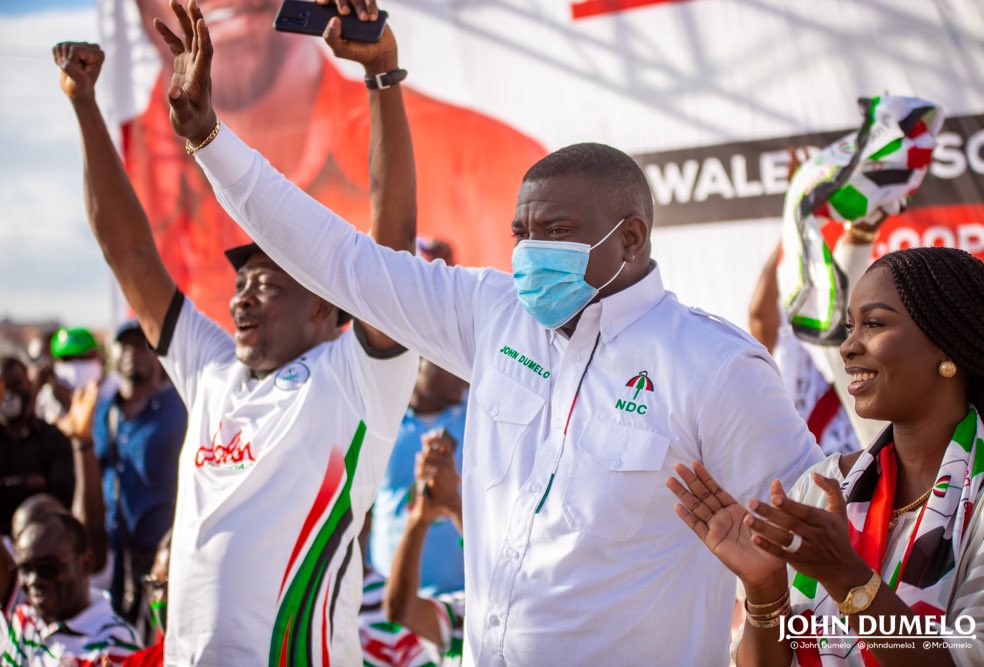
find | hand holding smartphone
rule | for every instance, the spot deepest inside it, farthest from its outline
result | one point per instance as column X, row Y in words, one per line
column 308, row 18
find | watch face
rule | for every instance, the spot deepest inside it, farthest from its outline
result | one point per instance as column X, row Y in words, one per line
column 860, row 599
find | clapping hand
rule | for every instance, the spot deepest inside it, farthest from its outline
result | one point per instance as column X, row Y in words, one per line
column 824, row 550
column 437, row 479
column 722, row 524
column 190, row 92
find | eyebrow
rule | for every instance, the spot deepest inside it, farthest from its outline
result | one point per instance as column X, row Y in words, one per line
column 875, row 306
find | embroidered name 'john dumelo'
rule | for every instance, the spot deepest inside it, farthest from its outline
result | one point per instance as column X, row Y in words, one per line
column 526, row 361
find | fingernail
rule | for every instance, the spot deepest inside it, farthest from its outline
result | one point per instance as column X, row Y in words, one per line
column 753, row 505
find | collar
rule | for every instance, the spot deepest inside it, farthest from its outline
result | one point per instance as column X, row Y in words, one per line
column 89, row 621
column 623, row 309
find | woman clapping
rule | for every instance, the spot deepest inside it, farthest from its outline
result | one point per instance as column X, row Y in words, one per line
column 892, row 532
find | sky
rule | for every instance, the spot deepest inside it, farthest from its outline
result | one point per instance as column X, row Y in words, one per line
column 50, row 266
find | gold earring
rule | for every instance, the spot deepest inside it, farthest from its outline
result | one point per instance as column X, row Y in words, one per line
column 947, row 369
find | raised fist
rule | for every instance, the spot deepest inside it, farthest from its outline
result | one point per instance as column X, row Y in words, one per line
column 80, row 63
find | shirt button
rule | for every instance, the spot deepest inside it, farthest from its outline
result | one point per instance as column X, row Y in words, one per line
column 535, row 488
column 494, row 411
column 576, row 357
column 493, row 621
column 617, row 463
column 558, row 423
column 511, row 553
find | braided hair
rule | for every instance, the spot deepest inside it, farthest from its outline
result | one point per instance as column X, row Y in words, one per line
column 943, row 290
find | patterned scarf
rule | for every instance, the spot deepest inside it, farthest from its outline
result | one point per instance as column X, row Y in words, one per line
column 862, row 177
column 923, row 576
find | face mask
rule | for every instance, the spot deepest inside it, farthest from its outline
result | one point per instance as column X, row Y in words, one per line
column 77, row 374
column 549, row 278
column 11, row 407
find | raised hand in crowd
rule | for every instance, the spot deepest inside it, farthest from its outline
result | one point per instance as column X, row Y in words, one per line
column 437, row 496
column 88, row 504
column 77, row 422
column 438, row 481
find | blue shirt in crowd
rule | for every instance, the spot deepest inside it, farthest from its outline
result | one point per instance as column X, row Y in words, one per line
column 140, row 467
column 442, row 567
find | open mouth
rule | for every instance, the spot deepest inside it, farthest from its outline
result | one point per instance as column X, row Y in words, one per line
column 861, row 379
column 246, row 331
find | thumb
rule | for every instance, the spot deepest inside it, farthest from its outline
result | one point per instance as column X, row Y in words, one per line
column 333, row 33
column 835, row 499
column 177, row 97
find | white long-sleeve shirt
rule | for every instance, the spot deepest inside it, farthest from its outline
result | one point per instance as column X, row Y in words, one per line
column 573, row 552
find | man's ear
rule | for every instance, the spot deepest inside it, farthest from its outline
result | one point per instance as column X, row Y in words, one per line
column 324, row 312
column 635, row 238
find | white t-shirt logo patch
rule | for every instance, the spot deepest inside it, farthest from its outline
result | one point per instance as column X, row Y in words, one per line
column 292, row 376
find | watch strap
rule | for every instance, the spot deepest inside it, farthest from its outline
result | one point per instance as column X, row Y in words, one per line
column 385, row 80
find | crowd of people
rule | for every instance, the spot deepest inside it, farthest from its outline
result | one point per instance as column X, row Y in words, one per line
column 581, row 461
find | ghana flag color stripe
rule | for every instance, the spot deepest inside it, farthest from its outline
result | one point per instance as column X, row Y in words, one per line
column 293, row 629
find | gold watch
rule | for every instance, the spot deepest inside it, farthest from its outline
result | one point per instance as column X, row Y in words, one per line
column 860, row 598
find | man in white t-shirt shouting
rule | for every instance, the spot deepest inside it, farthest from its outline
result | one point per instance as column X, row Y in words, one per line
column 290, row 424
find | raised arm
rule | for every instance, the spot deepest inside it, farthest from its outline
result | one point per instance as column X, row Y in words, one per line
column 428, row 307
column 763, row 312
column 115, row 214
column 88, row 505
column 437, row 496
column 392, row 179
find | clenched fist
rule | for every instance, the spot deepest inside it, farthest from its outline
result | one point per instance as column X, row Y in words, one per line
column 80, row 63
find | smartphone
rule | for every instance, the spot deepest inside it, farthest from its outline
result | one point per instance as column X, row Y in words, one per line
column 309, row 18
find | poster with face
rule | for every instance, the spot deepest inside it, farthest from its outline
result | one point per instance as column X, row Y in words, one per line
column 707, row 95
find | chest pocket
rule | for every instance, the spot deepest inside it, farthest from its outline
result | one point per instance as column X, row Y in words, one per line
column 509, row 409
column 614, row 476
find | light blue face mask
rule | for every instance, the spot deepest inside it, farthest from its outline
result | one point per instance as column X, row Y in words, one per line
column 549, row 278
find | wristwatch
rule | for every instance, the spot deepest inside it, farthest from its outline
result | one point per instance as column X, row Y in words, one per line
column 385, row 80
column 860, row 598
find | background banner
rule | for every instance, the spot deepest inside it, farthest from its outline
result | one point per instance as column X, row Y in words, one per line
column 708, row 96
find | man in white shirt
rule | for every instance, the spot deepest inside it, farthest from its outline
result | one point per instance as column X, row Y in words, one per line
column 589, row 382
column 289, row 425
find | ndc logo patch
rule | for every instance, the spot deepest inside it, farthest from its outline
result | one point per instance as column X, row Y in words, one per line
column 292, row 376
column 639, row 383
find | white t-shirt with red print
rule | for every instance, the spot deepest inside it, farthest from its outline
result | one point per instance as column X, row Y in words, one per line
column 275, row 478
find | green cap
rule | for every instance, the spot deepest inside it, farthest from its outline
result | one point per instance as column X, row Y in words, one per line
column 72, row 342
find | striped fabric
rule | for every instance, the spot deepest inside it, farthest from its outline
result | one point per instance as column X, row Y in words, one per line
column 385, row 644
column 451, row 614
column 95, row 637
column 860, row 178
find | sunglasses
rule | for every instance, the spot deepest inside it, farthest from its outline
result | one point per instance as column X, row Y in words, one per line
column 50, row 567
